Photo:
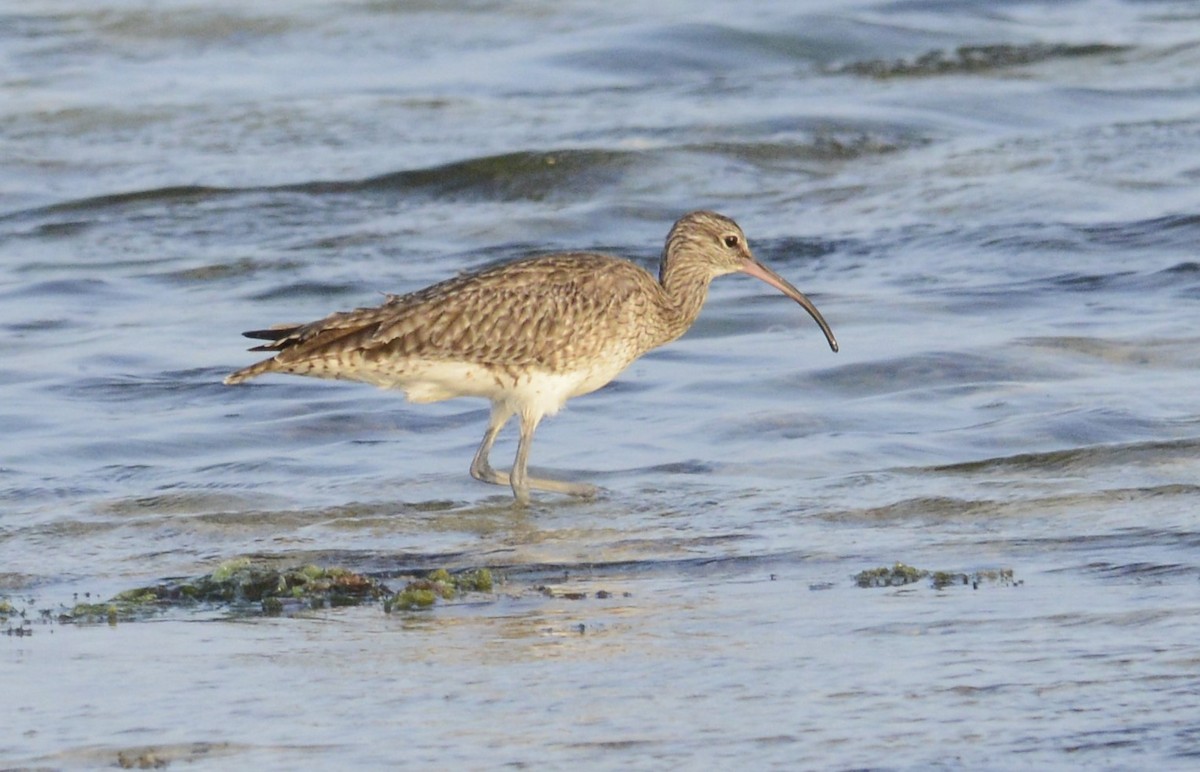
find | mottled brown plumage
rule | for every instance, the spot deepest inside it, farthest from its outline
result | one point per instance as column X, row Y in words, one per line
column 527, row 335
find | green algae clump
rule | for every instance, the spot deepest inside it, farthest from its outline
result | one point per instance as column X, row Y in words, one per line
column 138, row 603
column 901, row 574
column 479, row 580
column 226, row 571
column 239, row 583
column 411, row 598
column 257, row 586
column 898, row 575
column 941, row 579
column 424, row 592
column 96, row 612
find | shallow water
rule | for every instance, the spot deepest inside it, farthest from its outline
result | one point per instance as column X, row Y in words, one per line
column 1003, row 238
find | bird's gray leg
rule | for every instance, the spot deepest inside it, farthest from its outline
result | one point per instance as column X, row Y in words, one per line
column 481, row 469
column 520, row 479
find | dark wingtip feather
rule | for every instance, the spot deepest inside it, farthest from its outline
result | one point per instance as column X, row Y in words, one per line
column 274, row 333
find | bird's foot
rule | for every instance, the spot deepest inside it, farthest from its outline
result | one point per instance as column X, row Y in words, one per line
column 582, row 490
column 485, row 473
column 521, row 491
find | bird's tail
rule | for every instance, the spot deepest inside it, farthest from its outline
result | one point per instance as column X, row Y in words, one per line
column 280, row 336
column 253, row 371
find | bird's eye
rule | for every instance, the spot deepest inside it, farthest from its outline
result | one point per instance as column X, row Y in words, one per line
column 731, row 241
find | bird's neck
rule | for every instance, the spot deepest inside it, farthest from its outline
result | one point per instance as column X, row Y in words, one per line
column 685, row 287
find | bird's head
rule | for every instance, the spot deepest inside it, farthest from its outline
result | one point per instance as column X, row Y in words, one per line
column 716, row 245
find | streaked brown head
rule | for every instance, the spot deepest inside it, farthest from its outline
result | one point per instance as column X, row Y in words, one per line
column 717, row 246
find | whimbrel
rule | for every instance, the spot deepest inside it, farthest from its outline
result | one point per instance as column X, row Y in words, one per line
column 527, row 335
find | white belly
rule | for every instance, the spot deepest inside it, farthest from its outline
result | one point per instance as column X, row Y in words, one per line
column 533, row 391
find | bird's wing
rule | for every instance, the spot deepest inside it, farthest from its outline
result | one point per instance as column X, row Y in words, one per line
column 540, row 311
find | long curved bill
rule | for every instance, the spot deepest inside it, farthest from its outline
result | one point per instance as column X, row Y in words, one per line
column 760, row 271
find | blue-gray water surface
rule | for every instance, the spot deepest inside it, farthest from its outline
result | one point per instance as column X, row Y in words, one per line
column 995, row 205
